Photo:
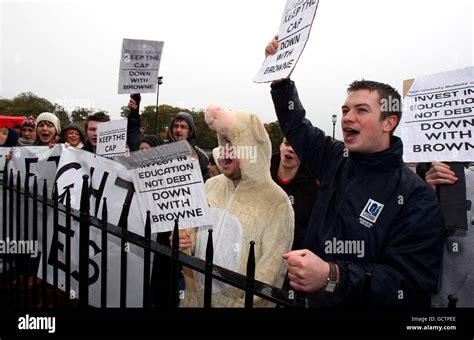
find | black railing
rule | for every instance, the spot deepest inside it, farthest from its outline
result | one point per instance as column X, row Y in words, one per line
column 37, row 293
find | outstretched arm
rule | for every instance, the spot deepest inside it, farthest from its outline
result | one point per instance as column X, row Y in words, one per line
column 134, row 134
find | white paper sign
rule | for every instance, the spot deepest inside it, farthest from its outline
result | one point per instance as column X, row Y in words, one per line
column 169, row 184
column 139, row 66
column 36, row 161
column 294, row 31
column 438, row 118
column 112, row 138
column 110, row 180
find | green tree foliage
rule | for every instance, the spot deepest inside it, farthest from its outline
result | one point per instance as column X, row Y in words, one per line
column 79, row 114
column 25, row 104
column 62, row 115
column 206, row 138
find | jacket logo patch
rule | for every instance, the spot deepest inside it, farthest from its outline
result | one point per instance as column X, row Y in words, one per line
column 371, row 210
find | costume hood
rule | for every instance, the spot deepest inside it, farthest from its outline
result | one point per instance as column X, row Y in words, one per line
column 250, row 141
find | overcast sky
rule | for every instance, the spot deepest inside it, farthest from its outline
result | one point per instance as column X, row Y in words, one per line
column 69, row 51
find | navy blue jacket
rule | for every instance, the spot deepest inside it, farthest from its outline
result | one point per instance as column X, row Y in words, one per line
column 402, row 239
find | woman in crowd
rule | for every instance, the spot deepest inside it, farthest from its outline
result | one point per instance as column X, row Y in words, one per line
column 150, row 141
column 28, row 131
column 47, row 129
column 73, row 136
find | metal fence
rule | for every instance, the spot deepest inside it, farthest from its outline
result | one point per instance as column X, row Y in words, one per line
column 20, row 287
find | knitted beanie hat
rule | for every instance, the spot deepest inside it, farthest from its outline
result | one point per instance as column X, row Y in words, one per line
column 29, row 121
column 49, row 117
column 152, row 140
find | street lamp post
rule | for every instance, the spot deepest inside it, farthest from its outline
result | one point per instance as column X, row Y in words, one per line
column 160, row 81
column 334, row 119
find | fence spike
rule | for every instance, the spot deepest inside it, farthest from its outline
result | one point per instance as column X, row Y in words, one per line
column 84, row 245
column 209, row 267
column 146, row 263
column 250, row 276
column 103, row 280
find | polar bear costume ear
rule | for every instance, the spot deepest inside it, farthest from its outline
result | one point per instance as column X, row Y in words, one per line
column 258, row 129
column 220, row 119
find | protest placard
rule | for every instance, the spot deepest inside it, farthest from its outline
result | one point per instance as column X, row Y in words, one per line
column 36, row 161
column 438, row 118
column 169, row 184
column 139, row 66
column 110, row 180
column 3, row 161
column 112, row 138
column 293, row 34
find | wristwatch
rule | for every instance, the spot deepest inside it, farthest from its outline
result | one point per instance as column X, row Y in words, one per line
column 332, row 281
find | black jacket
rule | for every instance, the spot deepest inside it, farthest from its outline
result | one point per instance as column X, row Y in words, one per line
column 88, row 147
column 402, row 239
column 301, row 192
column 134, row 134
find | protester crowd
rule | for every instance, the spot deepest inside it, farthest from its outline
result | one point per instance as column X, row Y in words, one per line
column 310, row 206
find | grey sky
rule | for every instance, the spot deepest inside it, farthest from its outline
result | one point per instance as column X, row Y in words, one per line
column 69, row 51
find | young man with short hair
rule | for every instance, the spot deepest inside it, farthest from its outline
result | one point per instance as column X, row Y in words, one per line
column 91, row 130
column 299, row 184
column 375, row 235
column 182, row 127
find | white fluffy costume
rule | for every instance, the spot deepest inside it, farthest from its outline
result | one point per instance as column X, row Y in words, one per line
column 261, row 206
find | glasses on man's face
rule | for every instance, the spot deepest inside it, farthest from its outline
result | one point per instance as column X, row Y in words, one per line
column 180, row 126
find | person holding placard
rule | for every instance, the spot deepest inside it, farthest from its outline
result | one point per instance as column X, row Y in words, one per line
column 91, row 130
column 375, row 235
column 248, row 205
column 456, row 286
column 182, row 127
column 136, row 139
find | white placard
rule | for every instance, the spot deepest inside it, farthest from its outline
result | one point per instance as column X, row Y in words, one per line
column 139, row 66
column 438, row 118
column 169, row 184
column 36, row 161
column 294, row 31
column 3, row 161
column 112, row 138
column 110, row 180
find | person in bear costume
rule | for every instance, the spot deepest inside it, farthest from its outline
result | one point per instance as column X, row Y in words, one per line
column 249, row 205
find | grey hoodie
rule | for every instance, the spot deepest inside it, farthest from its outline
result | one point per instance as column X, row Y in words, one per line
column 203, row 159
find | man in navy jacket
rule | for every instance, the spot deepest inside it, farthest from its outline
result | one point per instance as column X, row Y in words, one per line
column 375, row 234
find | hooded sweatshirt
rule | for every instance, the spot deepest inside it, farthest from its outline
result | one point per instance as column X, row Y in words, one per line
column 76, row 127
column 203, row 159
